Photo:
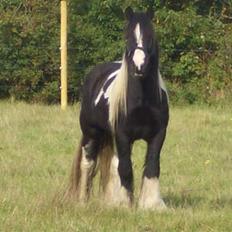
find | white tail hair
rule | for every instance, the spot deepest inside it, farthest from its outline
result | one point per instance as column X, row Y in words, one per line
column 118, row 95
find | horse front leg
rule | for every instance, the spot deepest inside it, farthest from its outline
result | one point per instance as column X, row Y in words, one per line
column 120, row 186
column 150, row 197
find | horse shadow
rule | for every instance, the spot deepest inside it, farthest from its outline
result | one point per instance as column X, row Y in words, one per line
column 183, row 200
column 189, row 200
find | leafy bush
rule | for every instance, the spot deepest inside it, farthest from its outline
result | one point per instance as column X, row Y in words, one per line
column 29, row 54
column 195, row 41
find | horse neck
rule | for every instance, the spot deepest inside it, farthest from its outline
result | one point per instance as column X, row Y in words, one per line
column 151, row 88
column 146, row 88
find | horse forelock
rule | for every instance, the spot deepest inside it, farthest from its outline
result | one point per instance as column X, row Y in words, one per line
column 138, row 29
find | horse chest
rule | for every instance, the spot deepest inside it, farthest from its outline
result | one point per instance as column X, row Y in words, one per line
column 142, row 123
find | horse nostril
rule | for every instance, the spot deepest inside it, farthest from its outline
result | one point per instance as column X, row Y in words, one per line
column 138, row 72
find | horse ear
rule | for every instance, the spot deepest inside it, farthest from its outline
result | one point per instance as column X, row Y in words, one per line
column 150, row 13
column 129, row 13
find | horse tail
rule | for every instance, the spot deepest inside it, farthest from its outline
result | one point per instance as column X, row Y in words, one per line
column 105, row 158
column 104, row 162
column 73, row 187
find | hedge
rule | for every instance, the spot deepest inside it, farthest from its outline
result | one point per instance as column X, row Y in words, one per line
column 195, row 43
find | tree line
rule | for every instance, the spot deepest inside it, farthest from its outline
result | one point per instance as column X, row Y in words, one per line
column 195, row 39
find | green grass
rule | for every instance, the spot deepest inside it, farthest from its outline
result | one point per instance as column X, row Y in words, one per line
column 37, row 144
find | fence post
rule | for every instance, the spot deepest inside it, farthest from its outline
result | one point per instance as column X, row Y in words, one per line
column 63, row 52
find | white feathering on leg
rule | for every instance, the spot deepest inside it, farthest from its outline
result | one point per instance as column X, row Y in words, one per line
column 116, row 194
column 150, row 197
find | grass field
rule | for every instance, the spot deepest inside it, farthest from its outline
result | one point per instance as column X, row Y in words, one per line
column 37, row 144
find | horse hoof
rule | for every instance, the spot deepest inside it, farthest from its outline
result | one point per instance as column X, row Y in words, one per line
column 115, row 202
column 158, row 205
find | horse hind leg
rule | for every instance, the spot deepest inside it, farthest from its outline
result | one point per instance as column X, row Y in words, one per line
column 83, row 170
column 87, row 168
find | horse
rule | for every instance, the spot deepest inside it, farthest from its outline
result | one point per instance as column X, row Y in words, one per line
column 122, row 102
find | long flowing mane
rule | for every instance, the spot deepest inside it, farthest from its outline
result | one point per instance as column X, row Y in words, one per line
column 118, row 95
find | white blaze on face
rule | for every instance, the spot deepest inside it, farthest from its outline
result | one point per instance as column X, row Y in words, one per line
column 138, row 35
column 139, row 55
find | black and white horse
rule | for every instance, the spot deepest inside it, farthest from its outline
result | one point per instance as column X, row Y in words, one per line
column 122, row 102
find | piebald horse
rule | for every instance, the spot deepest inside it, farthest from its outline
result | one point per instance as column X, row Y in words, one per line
column 122, row 102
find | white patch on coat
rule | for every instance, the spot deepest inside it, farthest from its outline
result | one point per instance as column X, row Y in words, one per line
column 99, row 96
column 116, row 194
column 116, row 93
column 150, row 197
column 139, row 55
column 106, row 94
column 108, row 91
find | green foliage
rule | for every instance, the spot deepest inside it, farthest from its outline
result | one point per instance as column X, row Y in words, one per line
column 194, row 50
column 29, row 54
column 195, row 41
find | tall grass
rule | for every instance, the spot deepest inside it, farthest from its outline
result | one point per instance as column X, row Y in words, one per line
column 37, row 144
